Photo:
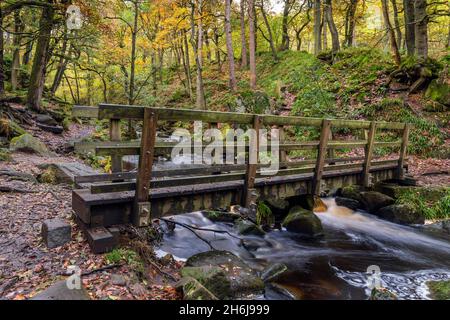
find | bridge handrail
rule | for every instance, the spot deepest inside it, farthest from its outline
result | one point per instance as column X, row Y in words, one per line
column 126, row 112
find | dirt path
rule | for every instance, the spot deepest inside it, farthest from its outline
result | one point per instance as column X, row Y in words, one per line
column 26, row 265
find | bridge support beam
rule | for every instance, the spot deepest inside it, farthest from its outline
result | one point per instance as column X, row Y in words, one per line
column 253, row 157
column 403, row 152
column 369, row 154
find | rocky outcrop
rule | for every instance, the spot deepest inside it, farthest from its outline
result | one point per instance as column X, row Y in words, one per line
column 243, row 280
column 304, row 222
column 402, row 214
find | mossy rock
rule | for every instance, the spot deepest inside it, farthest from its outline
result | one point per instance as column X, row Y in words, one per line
column 49, row 176
column 352, row 192
column 220, row 216
column 5, row 155
column 10, row 128
column 374, row 201
column 247, row 228
column 402, row 214
column 28, row 143
column 194, row 290
column 243, row 280
column 304, row 222
column 212, row 278
column 439, row 290
column 278, row 207
column 382, row 294
column 439, row 91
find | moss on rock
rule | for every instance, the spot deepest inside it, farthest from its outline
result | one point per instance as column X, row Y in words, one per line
column 439, row 290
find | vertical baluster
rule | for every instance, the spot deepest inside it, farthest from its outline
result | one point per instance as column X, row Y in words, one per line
column 321, row 156
column 403, row 152
column 250, row 176
column 116, row 136
column 369, row 153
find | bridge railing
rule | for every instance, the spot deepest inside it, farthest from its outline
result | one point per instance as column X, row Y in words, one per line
column 147, row 178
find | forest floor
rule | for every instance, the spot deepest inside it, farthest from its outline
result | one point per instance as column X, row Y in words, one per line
column 27, row 266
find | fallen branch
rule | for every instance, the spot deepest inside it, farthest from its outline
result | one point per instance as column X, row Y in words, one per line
column 192, row 229
column 113, row 266
column 15, row 175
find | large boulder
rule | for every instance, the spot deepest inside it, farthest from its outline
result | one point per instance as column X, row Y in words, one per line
column 243, row 280
column 46, row 119
column 401, row 213
column 374, row 201
column 211, row 277
column 194, row 290
column 304, row 222
column 439, row 91
column 348, row 203
column 248, row 228
column 28, row 143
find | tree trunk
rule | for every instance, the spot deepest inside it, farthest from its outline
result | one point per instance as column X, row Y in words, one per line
column 421, row 28
column 229, row 40
column 398, row 31
column 61, row 66
column 335, row 44
column 324, row 31
column 37, row 78
column 285, row 41
column 244, row 53
column 27, row 55
column 197, row 45
column 391, row 33
column 188, row 65
column 410, row 22
column 350, row 22
column 15, row 67
column 317, row 27
column 2, row 66
column 134, row 32
column 269, row 31
column 252, row 41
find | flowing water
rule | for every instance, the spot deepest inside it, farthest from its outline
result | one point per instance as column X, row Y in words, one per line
column 334, row 267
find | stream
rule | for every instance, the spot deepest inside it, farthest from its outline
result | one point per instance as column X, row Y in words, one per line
column 334, row 267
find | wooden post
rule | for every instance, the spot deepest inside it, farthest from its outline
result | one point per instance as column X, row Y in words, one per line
column 141, row 214
column 331, row 152
column 115, row 135
column 250, row 175
column 403, row 152
column 369, row 153
column 283, row 153
column 321, row 156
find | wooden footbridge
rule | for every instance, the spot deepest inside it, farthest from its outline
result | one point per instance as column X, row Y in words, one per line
column 104, row 201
